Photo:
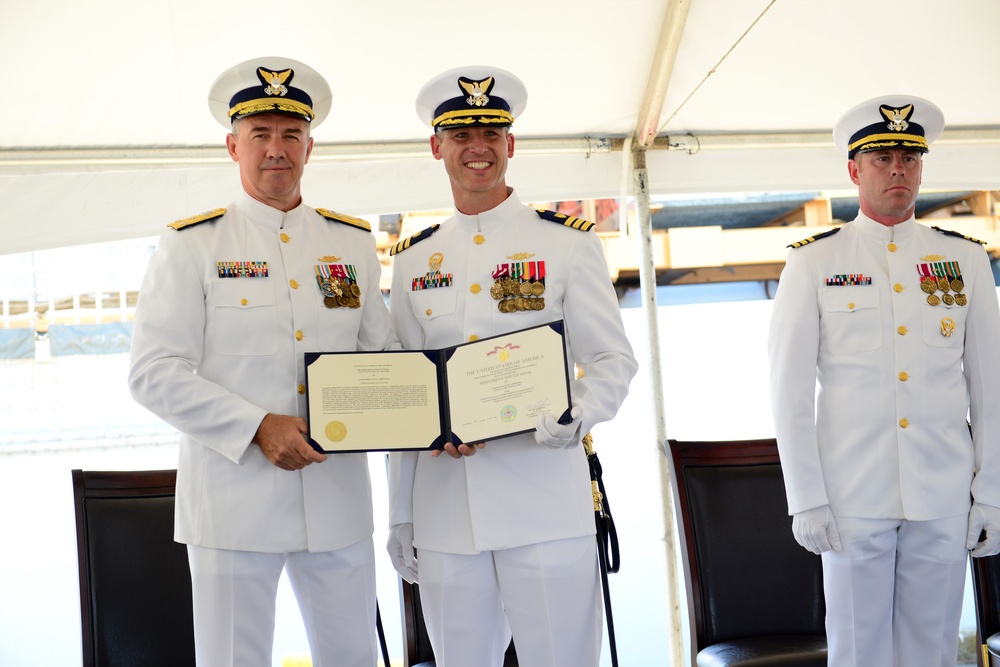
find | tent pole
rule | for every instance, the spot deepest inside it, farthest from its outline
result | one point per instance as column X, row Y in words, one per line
column 647, row 282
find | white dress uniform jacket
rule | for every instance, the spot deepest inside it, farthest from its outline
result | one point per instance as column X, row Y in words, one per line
column 212, row 355
column 515, row 491
column 886, row 435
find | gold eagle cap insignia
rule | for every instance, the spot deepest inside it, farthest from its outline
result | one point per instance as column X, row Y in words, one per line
column 275, row 81
column 932, row 258
column 897, row 117
column 477, row 91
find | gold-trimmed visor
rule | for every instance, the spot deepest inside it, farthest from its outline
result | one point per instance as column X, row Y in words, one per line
column 470, row 116
column 265, row 104
column 894, row 138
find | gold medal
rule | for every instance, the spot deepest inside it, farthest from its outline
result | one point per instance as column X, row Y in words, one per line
column 957, row 284
column 355, row 290
column 525, row 289
column 943, row 283
column 933, row 300
column 496, row 290
column 355, row 302
column 343, row 300
column 961, row 299
column 330, row 302
column 928, row 284
column 537, row 288
column 948, row 299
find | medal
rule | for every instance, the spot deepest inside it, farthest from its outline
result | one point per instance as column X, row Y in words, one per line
column 961, row 299
column 928, row 284
column 948, row 299
column 933, row 300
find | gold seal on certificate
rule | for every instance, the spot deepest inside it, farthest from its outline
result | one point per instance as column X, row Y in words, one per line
column 335, row 431
column 420, row 399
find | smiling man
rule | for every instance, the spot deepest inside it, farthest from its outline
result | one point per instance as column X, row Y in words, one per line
column 231, row 302
column 897, row 324
column 505, row 532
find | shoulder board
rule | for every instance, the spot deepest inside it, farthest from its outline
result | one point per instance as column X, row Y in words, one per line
column 799, row 244
column 196, row 219
column 416, row 238
column 567, row 220
column 346, row 219
column 959, row 235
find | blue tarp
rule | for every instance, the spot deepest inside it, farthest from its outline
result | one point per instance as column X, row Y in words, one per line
column 112, row 338
column 17, row 343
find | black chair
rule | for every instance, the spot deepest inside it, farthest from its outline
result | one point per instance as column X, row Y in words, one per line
column 986, row 588
column 755, row 597
column 417, row 645
column 135, row 585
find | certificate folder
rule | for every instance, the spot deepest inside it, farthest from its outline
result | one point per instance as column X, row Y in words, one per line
column 420, row 399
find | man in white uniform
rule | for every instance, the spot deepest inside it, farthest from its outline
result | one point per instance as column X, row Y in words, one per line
column 231, row 301
column 505, row 532
column 898, row 325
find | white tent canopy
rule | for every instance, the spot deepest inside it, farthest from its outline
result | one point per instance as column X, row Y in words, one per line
column 106, row 134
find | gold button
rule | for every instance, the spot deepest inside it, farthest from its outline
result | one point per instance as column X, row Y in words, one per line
column 302, row 389
column 892, row 247
column 478, row 238
column 903, row 377
column 284, row 237
column 243, row 302
column 294, row 284
column 475, row 288
column 897, row 287
column 473, row 338
column 901, row 330
column 428, row 312
column 851, row 305
column 299, row 335
column 904, row 423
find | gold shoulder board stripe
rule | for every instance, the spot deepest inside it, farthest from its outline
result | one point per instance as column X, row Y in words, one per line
column 346, row 219
column 803, row 242
column 567, row 220
column 416, row 238
column 959, row 235
column 195, row 219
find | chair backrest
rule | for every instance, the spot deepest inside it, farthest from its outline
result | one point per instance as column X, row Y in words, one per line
column 417, row 645
column 746, row 576
column 135, row 585
column 986, row 589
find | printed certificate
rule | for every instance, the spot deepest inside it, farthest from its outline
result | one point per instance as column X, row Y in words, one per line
column 421, row 399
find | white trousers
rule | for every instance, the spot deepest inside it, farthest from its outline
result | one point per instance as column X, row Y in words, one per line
column 894, row 593
column 234, row 596
column 548, row 595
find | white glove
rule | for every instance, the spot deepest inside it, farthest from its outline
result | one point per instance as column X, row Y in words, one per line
column 400, row 548
column 551, row 433
column 816, row 530
column 983, row 517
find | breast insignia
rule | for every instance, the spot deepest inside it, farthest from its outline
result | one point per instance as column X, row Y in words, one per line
column 567, row 220
column 949, row 232
column 197, row 219
column 804, row 242
column 344, row 218
column 416, row 238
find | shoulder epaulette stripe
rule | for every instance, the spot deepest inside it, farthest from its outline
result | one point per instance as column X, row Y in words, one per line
column 799, row 244
column 566, row 220
column 344, row 218
column 416, row 238
column 958, row 234
column 195, row 219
